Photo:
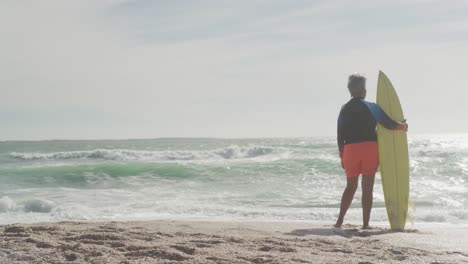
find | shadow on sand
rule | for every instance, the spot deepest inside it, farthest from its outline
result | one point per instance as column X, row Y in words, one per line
column 347, row 232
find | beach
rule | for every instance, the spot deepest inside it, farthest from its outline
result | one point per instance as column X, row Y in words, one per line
column 221, row 201
column 227, row 242
column 214, row 132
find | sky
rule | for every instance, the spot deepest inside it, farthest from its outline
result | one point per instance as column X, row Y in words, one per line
column 110, row 69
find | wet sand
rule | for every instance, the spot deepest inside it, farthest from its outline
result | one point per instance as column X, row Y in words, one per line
column 226, row 242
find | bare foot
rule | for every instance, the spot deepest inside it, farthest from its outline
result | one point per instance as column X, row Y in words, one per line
column 338, row 225
column 366, row 227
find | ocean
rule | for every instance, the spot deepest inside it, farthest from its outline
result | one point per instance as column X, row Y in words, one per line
column 284, row 179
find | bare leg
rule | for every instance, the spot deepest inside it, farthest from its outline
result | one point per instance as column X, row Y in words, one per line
column 367, row 197
column 347, row 198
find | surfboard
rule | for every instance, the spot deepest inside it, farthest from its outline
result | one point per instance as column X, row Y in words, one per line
column 393, row 155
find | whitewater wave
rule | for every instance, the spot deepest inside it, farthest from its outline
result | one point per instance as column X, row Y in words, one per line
column 6, row 204
column 231, row 152
column 33, row 205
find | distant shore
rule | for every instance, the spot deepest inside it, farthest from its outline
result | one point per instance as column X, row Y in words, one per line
column 226, row 242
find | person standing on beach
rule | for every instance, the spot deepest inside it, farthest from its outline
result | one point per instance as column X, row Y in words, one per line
column 357, row 143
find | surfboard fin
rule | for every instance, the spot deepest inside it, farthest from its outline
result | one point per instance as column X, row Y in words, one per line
column 409, row 219
column 411, row 205
column 408, row 216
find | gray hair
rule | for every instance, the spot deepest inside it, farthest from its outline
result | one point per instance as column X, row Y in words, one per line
column 356, row 83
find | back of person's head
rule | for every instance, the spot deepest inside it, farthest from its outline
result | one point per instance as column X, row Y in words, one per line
column 356, row 84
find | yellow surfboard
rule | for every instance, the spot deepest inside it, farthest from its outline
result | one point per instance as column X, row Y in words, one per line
column 393, row 154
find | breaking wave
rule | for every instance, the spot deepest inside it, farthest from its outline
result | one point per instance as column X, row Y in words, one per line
column 231, row 152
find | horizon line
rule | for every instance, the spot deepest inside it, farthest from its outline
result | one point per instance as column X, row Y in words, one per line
column 226, row 138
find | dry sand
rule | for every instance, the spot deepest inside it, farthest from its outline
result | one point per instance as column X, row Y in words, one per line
column 226, row 242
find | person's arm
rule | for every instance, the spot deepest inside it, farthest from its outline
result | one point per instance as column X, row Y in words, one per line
column 380, row 116
column 340, row 138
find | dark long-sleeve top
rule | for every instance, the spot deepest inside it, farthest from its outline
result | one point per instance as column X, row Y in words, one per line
column 358, row 120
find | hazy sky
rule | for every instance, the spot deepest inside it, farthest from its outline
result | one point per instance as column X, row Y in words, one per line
column 145, row 69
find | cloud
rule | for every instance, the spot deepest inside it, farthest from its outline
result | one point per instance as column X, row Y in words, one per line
column 216, row 68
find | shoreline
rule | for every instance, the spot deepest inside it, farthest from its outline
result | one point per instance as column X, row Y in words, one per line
column 175, row 241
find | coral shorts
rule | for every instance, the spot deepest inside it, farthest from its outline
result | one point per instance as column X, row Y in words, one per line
column 361, row 158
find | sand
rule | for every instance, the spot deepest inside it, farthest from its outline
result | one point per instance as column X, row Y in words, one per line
column 226, row 242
